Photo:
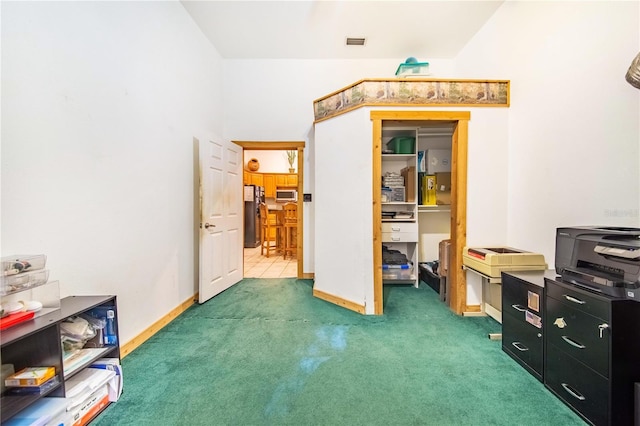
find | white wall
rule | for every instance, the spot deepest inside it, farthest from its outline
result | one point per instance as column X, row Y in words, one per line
column 270, row 161
column 573, row 124
column 100, row 104
column 273, row 100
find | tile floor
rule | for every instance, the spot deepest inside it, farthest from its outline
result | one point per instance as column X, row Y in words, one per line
column 259, row 266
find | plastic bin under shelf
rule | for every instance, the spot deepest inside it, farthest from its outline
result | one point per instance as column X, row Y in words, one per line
column 398, row 272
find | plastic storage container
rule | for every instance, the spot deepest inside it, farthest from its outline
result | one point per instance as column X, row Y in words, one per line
column 16, row 264
column 397, row 272
column 13, row 283
column 401, row 145
column 414, row 69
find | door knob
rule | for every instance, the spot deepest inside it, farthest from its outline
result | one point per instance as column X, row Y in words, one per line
column 208, row 225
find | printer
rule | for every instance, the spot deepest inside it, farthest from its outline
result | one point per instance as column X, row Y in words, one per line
column 601, row 259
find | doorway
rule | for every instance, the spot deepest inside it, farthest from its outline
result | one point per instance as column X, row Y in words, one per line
column 458, row 120
column 276, row 264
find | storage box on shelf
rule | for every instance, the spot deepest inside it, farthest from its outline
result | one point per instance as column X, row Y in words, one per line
column 38, row 343
column 20, row 272
column 25, row 292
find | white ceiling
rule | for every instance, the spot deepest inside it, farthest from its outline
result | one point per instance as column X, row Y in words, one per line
column 302, row 29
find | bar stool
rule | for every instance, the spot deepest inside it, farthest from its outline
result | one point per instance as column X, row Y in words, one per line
column 270, row 231
column 290, row 217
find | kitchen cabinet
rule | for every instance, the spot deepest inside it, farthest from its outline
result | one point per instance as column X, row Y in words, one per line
column 37, row 342
column 257, row 179
column 286, row 180
column 592, row 347
column 269, row 181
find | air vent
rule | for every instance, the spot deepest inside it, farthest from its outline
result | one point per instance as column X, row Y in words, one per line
column 354, row 41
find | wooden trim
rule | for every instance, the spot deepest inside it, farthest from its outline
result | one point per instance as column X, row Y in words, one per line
column 299, row 212
column 399, row 105
column 339, row 301
column 375, row 80
column 413, row 92
column 279, row 146
column 457, row 285
column 307, row 276
column 134, row 343
column 473, row 309
column 420, row 115
column 377, row 218
column 270, row 145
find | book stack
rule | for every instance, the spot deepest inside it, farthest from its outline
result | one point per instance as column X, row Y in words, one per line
column 32, row 380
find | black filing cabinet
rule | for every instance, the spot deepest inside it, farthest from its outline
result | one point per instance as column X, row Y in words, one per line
column 592, row 352
column 523, row 318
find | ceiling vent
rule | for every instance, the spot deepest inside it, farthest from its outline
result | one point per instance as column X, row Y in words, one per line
column 355, row 41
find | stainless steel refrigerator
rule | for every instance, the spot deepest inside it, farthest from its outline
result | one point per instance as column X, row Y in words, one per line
column 253, row 196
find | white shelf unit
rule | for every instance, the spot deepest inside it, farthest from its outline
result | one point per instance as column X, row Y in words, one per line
column 401, row 233
column 434, row 221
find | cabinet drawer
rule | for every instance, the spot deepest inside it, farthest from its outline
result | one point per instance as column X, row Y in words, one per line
column 583, row 300
column 518, row 296
column 523, row 342
column 577, row 385
column 578, row 334
column 399, row 237
column 408, row 227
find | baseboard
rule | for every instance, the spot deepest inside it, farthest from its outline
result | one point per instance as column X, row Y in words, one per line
column 338, row 301
column 132, row 344
column 307, row 276
column 473, row 308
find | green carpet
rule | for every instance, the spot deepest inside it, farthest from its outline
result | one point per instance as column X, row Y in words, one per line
column 266, row 352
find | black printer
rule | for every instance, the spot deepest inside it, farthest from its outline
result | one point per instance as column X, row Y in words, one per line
column 602, row 259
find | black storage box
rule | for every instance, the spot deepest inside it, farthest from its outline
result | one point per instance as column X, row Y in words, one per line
column 430, row 278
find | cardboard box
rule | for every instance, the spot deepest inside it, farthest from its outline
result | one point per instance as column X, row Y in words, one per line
column 443, row 188
column 443, row 257
column 409, row 174
column 30, row 376
column 438, row 160
column 87, row 410
column 428, row 190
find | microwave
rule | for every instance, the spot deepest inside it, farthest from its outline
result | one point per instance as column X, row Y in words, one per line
column 286, row 195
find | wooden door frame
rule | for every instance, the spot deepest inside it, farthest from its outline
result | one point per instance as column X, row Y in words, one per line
column 282, row 146
column 456, row 287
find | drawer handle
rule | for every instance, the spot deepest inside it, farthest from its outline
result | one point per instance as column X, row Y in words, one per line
column 574, row 300
column 573, row 342
column 395, row 228
column 574, row 393
column 518, row 308
column 519, row 346
column 395, row 238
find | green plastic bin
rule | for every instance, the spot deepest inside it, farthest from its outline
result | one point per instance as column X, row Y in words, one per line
column 401, row 145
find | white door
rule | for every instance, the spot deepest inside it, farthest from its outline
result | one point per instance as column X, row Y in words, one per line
column 221, row 217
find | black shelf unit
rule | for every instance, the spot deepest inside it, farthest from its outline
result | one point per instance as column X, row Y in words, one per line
column 37, row 342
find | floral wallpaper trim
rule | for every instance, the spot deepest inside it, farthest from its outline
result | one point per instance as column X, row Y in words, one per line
column 418, row 92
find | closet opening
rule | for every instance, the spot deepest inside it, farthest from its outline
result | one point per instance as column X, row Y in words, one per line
column 438, row 131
